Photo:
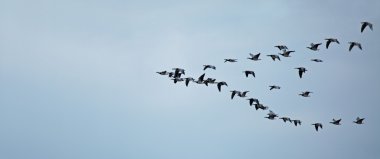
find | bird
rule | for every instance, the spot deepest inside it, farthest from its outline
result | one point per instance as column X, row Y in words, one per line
column 243, row 94
column 364, row 25
column 271, row 115
column 209, row 81
column 336, row 122
column 316, row 60
column 286, row 53
column 248, row 72
column 230, row 60
column 297, row 122
column 260, row 106
column 220, row 84
column 286, row 119
column 208, row 66
column 316, row 125
column 329, row 40
column 178, row 72
column 254, row 57
column 251, row 100
column 359, row 120
column 163, row 73
column 233, row 92
column 305, row 94
column 352, row 44
column 187, row 80
column 314, row 47
column 200, row 79
column 274, row 57
column 281, row 47
column 274, row 87
column 301, row 70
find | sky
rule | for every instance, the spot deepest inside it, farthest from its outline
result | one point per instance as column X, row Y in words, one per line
column 78, row 79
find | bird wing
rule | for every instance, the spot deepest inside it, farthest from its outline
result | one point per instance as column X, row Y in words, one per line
column 351, row 46
column 246, row 73
column 370, row 26
column 316, row 127
column 233, row 94
column 257, row 55
column 250, row 102
column 328, row 43
column 300, row 73
column 360, row 46
column 363, row 27
column 201, row 78
column 219, row 85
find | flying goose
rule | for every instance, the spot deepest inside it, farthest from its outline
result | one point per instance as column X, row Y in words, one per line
column 248, row 72
column 243, row 94
column 286, row 53
column 336, row 122
column 305, row 94
column 352, row 44
column 163, row 73
column 188, row 79
column 209, row 81
column 177, row 79
column 200, row 79
column 364, row 25
column 251, row 100
column 274, row 57
column 281, row 47
column 359, row 120
column 254, row 57
column 297, row 122
column 286, row 119
column 233, row 92
column 208, row 66
column 230, row 60
column 220, row 84
column 316, row 60
column 316, row 125
column 274, row 87
column 301, row 70
column 260, row 106
column 314, row 47
column 271, row 115
column 329, row 40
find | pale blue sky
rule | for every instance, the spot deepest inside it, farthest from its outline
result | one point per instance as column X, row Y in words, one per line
column 77, row 79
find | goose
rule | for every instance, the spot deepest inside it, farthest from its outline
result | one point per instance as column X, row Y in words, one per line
column 274, row 57
column 352, row 44
column 281, row 47
column 316, row 60
column 364, row 25
column 297, row 122
column 271, row 115
column 301, row 70
column 209, row 81
column 188, row 79
column 314, row 47
column 208, row 66
column 243, row 94
column 220, row 84
column 329, row 40
column 260, row 106
column 251, row 100
column 305, row 94
column 178, row 72
column 285, row 119
column 233, row 92
column 336, row 122
column 359, row 120
column 286, row 53
column 230, row 60
column 274, row 87
column 316, row 125
column 248, row 72
column 163, row 73
column 254, row 57
column 200, row 79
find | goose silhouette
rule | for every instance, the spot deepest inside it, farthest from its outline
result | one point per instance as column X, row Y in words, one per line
column 329, row 40
column 364, row 25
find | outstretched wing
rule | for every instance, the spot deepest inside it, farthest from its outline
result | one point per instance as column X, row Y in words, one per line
column 328, row 43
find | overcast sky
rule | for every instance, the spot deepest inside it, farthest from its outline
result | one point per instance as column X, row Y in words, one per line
column 77, row 79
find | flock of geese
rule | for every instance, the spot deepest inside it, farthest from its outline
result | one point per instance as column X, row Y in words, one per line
column 176, row 76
